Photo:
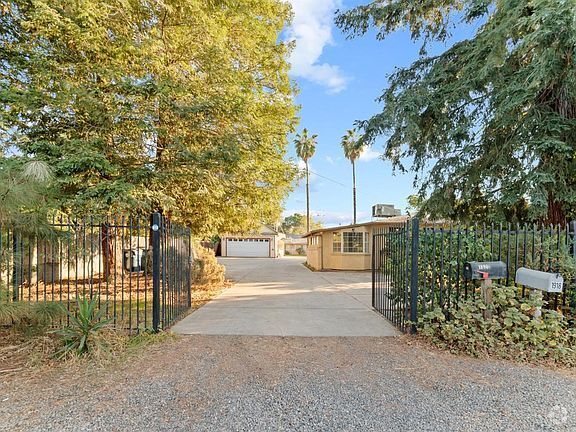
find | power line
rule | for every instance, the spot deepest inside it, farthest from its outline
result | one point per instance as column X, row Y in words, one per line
column 324, row 177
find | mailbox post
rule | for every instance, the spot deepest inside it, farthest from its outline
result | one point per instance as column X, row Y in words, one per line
column 539, row 282
column 485, row 271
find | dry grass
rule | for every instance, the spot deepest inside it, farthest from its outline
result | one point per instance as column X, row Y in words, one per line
column 24, row 355
column 207, row 272
column 21, row 353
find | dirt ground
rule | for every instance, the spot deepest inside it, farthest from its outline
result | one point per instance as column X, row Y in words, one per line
column 22, row 354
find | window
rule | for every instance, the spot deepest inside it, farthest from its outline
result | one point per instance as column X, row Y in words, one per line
column 314, row 240
column 337, row 242
column 350, row 242
column 353, row 242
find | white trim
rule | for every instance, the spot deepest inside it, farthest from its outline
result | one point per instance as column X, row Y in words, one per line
column 365, row 242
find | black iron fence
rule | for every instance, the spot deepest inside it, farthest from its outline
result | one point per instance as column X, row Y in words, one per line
column 394, row 274
column 419, row 268
column 139, row 268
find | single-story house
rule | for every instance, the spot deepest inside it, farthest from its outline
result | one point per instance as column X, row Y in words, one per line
column 267, row 243
column 295, row 244
column 346, row 247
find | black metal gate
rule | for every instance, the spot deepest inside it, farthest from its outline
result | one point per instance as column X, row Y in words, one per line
column 138, row 267
column 394, row 275
column 171, row 270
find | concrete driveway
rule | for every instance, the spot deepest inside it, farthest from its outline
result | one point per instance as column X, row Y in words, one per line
column 281, row 297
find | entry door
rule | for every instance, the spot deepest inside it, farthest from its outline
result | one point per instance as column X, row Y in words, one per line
column 247, row 247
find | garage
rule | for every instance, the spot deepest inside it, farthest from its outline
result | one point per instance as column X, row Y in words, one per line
column 248, row 247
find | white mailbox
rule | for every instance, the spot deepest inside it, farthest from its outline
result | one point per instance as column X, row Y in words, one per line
column 542, row 281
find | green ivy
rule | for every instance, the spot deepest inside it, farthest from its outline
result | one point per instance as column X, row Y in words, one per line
column 512, row 333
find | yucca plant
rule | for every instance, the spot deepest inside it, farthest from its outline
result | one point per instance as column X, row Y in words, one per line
column 85, row 323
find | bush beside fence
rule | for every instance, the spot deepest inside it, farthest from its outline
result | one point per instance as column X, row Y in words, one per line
column 435, row 273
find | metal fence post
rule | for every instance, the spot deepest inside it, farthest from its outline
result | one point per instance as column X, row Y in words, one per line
column 572, row 230
column 190, row 267
column 16, row 267
column 374, row 234
column 414, row 274
column 155, row 227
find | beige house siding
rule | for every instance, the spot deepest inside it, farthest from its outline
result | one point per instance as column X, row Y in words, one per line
column 321, row 255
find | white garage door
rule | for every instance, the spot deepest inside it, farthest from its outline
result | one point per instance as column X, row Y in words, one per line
column 248, row 247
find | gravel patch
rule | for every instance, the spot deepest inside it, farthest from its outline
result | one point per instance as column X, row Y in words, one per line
column 244, row 383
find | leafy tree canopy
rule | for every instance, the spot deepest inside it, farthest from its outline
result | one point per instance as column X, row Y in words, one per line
column 305, row 145
column 179, row 106
column 296, row 224
column 489, row 125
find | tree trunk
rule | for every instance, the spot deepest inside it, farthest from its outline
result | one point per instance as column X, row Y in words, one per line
column 307, row 199
column 556, row 215
column 107, row 241
column 354, row 189
column 17, row 267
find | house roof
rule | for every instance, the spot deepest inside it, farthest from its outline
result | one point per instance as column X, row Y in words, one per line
column 394, row 220
column 267, row 229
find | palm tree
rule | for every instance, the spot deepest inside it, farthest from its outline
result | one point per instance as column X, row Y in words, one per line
column 305, row 149
column 352, row 150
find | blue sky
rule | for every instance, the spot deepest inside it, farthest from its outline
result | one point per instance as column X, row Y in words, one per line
column 338, row 82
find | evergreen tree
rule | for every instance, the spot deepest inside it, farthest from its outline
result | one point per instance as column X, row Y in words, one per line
column 489, row 125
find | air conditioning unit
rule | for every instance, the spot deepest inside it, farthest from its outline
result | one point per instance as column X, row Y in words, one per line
column 385, row 211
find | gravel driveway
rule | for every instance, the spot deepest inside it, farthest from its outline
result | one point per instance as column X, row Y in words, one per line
column 254, row 383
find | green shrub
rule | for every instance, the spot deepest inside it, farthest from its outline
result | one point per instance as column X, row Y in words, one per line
column 511, row 333
column 81, row 335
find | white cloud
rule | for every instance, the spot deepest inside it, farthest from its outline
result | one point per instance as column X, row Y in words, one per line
column 311, row 29
column 368, row 154
column 330, row 160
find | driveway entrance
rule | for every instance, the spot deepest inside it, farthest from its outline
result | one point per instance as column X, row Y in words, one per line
column 281, row 297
